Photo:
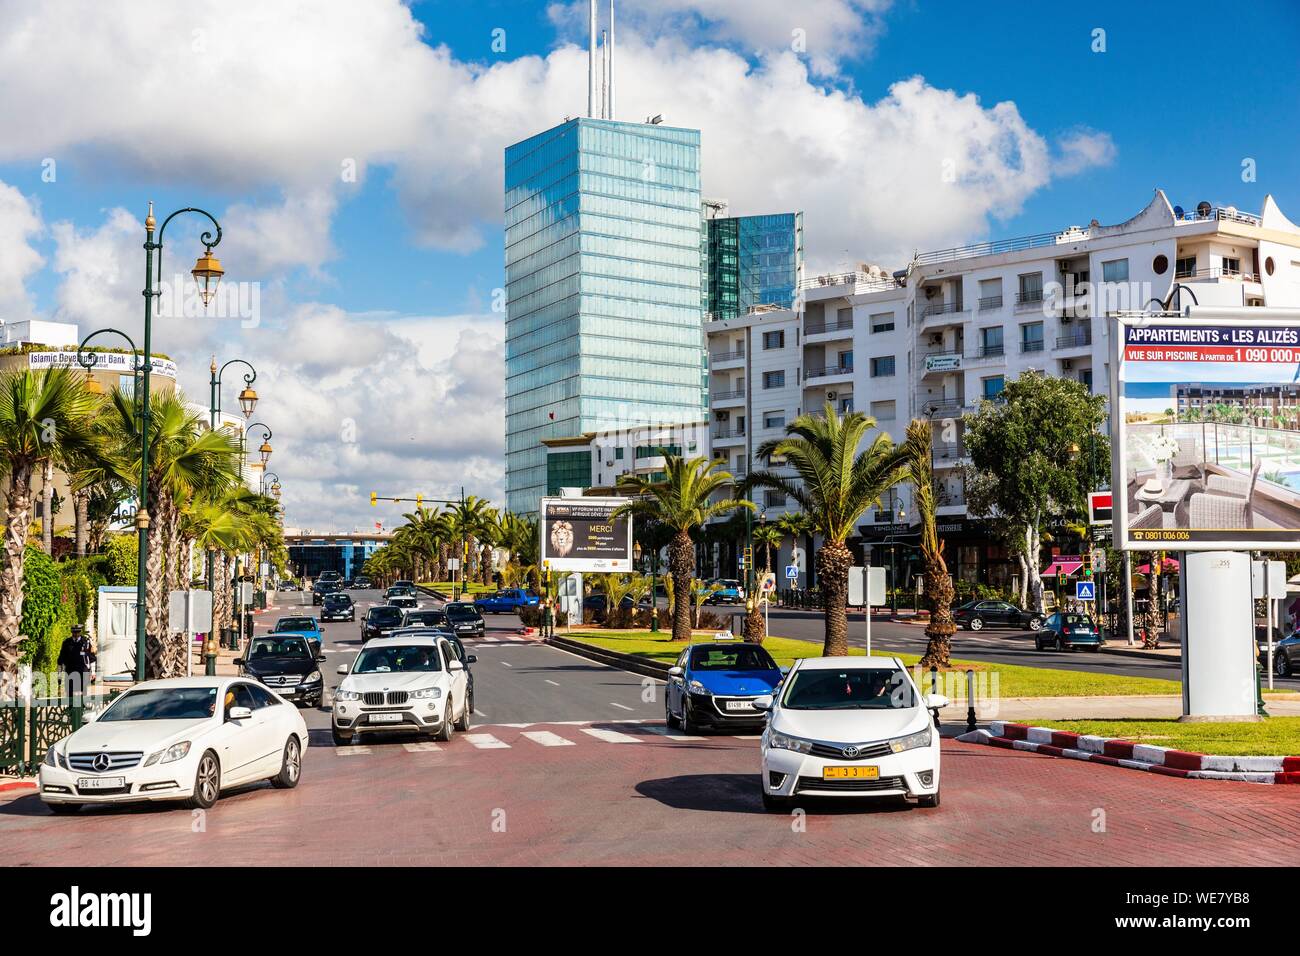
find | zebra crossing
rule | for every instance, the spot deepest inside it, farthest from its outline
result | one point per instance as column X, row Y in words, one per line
column 527, row 736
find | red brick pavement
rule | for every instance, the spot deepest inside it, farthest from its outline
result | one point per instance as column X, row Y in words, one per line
column 672, row 803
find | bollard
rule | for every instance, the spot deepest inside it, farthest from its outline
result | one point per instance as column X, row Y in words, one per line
column 934, row 679
column 970, row 701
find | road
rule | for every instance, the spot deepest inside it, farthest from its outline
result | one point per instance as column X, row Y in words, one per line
column 569, row 763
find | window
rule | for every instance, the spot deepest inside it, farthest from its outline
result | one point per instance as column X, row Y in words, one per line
column 884, row 322
column 993, row 386
column 775, row 499
column 774, row 419
column 846, row 405
column 262, row 697
column 884, row 411
column 1184, row 267
column 243, row 697
column 774, row 379
column 1031, row 337
column 882, row 366
column 991, row 341
column 844, row 318
column 618, row 453
column 1116, row 270
column 1031, row 287
column 1085, row 378
column 1231, row 267
column 1159, row 264
column 774, row 340
column 846, row 360
column 990, row 293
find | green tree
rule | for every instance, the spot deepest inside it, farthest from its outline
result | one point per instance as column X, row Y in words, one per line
column 681, row 502
column 1025, row 458
column 41, row 605
column 123, row 559
column 835, row 486
column 938, row 585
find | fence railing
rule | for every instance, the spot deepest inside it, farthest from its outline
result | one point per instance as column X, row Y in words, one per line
column 30, row 726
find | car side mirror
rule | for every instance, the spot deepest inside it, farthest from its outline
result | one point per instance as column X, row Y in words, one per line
column 456, row 665
column 320, row 659
column 936, row 701
column 239, row 713
column 675, row 671
column 89, row 715
column 342, row 669
column 240, row 660
column 763, row 703
column 471, row 659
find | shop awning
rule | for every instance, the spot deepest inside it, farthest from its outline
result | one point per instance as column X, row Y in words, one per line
column 1066, row 568
column 1166, row 566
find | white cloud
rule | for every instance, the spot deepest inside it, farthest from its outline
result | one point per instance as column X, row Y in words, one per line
column 20, row 224
column 1082, row 148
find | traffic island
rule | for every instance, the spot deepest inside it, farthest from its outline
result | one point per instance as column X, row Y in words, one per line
column 1134, row 755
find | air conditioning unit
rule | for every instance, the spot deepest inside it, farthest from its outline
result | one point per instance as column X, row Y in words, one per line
column 830, row 396
column 936, row 338
column 931, row 291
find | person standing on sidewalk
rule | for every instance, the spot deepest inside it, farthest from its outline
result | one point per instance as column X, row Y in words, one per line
column 75, row 661
column 548, row 620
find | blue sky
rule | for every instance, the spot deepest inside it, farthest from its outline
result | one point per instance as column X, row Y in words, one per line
column 377, row 292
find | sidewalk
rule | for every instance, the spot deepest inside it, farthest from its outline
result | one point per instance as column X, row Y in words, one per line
column 1162, row 707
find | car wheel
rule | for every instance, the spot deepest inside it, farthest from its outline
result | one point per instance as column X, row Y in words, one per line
column 340, row 740
column 207, row 783
column 444, row 732
column 672, row 722
column 1035, row 623
column 64, row 809
column 976, row 624
column 930, row 801
column 775, row 804
column 688, row 725
column 463, row 722
column 290, row 765
column 1281, row 664
column 1060, row 644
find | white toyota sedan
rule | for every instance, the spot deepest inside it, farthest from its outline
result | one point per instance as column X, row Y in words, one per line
column 408, row 683
column 186, row 738
column 850, row 727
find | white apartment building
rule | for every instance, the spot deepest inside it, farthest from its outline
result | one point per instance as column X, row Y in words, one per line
column 935, row 338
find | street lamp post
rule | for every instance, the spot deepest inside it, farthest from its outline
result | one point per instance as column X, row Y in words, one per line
column 207, row 274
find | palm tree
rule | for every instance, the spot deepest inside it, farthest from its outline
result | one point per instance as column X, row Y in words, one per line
column 681, row 502
column 835, row 485
column 938, row 586
column 796, row 525
column 768, row 536
column 43, row 414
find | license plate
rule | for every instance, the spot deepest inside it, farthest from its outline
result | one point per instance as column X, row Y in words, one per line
column 850, row 773
column 385, row 718
column 740, row 705
column 100, row 783
column 286, row 690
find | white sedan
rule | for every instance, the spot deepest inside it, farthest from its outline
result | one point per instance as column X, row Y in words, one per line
column 186, row 738
column 850, row 727
column 407, row 683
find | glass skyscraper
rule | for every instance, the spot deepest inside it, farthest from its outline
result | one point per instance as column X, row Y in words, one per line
column 603, row 232
column 752, row 260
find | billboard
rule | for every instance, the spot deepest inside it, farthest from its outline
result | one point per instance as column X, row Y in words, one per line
column 578, row 534
column 1206, row 426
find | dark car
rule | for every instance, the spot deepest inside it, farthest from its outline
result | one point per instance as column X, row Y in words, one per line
column 466, row 659
column 1068, row 630
column 399, row 596
column 322, row 588
column 361, row 583
column 381, row 621
column 426, row 617
column 288, row 664
column 977, row 615
column 466, row 620
column 1286, row 655
column 598, row 605
column 338, row 607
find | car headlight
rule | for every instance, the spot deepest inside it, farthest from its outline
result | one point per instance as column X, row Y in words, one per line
column 912, row 741
column 695, row 687
column 51, row 758
column 170, row 755
column 783, row 742
column 426, row 693
column 312, row 678
column 346, row 695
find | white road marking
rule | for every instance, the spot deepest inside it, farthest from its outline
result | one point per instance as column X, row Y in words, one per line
column 547, row 739
column 507, row 664
column 620, row 706
column 747, row 736
column 479, row 712
column 486, row 742
column 351, row 751
column 667, row 734
column 553, row 683
column 610, row 736
column 423, row 747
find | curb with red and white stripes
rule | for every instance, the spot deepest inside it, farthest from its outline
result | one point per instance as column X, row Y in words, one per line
column 1133, row 756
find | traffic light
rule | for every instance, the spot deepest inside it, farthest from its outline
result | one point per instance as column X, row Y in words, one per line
column 374, row 498
column 1087, row 564
column 419, row 502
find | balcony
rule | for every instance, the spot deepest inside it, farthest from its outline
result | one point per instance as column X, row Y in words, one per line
column 990, row 302
column 987, row 355
column 948, row 454
column 1076, row 341
column 943, row 407
column 1032, row 299
column 724, row 433
column 1035, row 345
column 1196, row 275
column 722, row 358
column 831, row 371
column 827, row 328
column 735, row 396
column 941, row 314
column 855, row 281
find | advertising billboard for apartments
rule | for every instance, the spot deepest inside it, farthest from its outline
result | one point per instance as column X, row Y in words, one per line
column 1206, row 426
column 580, row 534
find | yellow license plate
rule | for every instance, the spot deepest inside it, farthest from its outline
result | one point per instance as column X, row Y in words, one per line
column 850, row 773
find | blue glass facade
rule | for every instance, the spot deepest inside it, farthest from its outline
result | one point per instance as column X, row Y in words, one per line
column 603, row 232
column 752, row 260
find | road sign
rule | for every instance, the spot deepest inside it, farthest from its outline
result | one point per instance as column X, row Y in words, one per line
column 868, row 583
column 768, row 584
column 792, row 572
column 1099, row 561
column 1099, row 508
column 189, row 611
column 453, row 564
column 1085, row 590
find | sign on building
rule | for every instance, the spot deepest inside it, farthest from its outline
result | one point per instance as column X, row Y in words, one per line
column 948, row 362
column 1099, row 508
column 1206, row 431
column 581, row 534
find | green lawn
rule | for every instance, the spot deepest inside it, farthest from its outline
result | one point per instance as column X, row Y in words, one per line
column 993, row 680
column 1275, row 736
column 461, row 587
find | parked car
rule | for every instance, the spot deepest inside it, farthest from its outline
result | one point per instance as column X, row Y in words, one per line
column 507, row 601
column 598, row 605
column 466, row 620
column 287, row 664
column 338, row 607
column 380, row 621
column 715, row 685
column 849, row 727
column 730, row 591
column 1286, row 655
column 976, row 615
column 1066, row 630
column 184, row 738
column 426, row 617
column 412, row 684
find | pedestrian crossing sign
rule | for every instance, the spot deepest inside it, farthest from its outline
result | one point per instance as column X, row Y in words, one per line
column 1085, row 590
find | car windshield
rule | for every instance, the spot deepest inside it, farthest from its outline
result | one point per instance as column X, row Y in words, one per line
column 1076, row 620
column 462, row 612
column 864, row 688
column 397, row 659
column 265, row 648
column 296, row 624
column 171, row 703
column 337, row 599
column 739, row 658
column 384, row 616
column 424, row 617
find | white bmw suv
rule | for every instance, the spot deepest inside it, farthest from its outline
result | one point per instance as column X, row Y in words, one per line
column 850, row 727
column 404, row 684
